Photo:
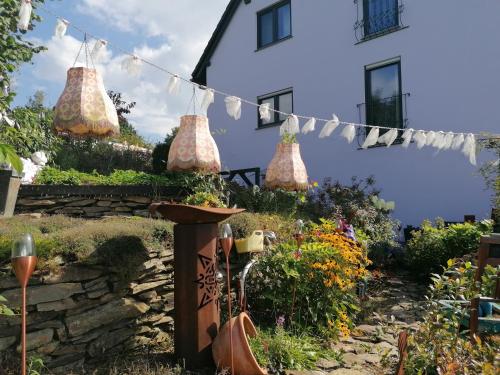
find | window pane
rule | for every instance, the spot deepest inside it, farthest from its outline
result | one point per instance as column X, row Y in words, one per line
column 266, row 28
column 285, row 105
column 384, row 98
column 284, row 21
column 271, row 106
column 381, row 15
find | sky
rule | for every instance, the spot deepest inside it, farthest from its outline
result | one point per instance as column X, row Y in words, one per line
column 170, row 33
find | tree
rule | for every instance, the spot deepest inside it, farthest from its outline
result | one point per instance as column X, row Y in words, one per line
column 160, row 152
column 15, row 49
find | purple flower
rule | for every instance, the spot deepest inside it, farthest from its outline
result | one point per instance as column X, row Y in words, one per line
column 280, row 322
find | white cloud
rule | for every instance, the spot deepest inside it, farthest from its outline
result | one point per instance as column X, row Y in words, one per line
column 183, row 27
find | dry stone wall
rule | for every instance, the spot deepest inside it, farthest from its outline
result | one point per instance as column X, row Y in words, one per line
column 81, row 314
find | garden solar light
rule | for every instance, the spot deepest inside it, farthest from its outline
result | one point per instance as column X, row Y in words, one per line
column 226, row 242
column 299, row 236
column 24, row 261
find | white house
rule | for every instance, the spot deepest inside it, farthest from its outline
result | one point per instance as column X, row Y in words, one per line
column 424, row 64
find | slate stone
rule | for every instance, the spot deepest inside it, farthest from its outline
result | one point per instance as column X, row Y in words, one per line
column 42, row 293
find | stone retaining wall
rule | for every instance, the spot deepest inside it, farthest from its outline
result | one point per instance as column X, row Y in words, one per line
column 81, row 313
column 92, row 201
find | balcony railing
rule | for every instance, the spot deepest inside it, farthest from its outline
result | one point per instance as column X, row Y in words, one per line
column 382, row 18
column 389, row 112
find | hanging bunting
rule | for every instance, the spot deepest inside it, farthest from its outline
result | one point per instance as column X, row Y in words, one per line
column 174, row 85
column 132, row 64
column 349, row 132
column 458, row 139
column 420, row 138
column 372, row 138
column 98, row 50
column 438, row 140
column 24, row 15
column 309, row 126
column 329, row 127
column 233, row 107
column 61, row 27
column 469, row 148
column 208, row 98
column 265, row 111
column 407, row 136
column 290, row 125
column 429, row 138
column 448, row 139
column 388, row 137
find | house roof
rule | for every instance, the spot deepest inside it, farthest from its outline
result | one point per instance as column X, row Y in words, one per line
column 199, row 74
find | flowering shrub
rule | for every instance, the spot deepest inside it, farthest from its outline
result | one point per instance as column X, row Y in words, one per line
column 314, row 287
column 442, row 344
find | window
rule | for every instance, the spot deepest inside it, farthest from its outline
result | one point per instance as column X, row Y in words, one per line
column 279, row 101
column 383, row 94
column 380, row 15
column 274, row 24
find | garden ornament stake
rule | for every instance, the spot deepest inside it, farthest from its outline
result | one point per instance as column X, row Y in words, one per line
column 226, row 242
column 24, row 261
column 299, row 236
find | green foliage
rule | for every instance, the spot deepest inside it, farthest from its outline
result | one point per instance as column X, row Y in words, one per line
column 32, row 133
column 8, row 156
column 279, row 350
column 314, row 289
column 432, row 246
column 15, row 49
column 160, row 152
column 288, row 138
column 85, row 240
column 35, row 366
column 441, row 344
column 244, row 224
column 359, row 204
column 4, row 310
column 277, row 201
column 204, row 199
column 89, row 155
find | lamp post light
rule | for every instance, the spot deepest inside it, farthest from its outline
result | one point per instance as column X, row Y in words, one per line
column 226, row 242
column 24, row 261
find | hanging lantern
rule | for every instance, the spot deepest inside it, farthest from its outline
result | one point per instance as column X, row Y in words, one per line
column 84, row 108
column 287, row 170
column 193, row 148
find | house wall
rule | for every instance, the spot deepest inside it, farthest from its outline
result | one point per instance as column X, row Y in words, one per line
column 449, row 59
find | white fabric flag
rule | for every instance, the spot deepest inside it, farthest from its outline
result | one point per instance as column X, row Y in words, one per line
column 233, row 107
column 290, row 125
column 407, row 136
column 469, row 148
column 208, row 99
column 132, row 64
column 458, row 140
column 429, row 138
column 372, row 138
column 448, row 140
column 265, row 111
column 98, row 50
column 174, row 85
column 329, row 127
column 349, row 132
column 420, row 138
column 24, row 15
column 310, row 126
column 61, row 27
column 388, row 137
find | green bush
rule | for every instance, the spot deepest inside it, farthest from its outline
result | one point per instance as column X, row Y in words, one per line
column 359, row 204
column 441, row 344
column 432, row 246
column 204, row 199
column 244, row 224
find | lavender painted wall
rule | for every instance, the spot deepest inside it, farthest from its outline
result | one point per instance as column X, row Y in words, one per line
column 450, row 60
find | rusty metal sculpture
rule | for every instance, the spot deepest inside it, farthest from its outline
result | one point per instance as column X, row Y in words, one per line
column 24, row 261
column 196, row 298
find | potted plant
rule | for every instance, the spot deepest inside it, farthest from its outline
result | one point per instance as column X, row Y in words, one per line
column 249, row 238
column 11, row 167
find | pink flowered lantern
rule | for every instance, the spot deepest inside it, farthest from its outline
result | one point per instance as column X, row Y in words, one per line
column 193, row 148
column 84, row 108
column 287, row 170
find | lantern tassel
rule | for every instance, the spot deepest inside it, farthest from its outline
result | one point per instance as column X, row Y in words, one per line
column 208, row 98
column 265, row 111
column 174, row 85
column 24, row 15
column 349, row 132
column 233, row 107
column 309, row 126
column 457, row 141
column 61, row 28
column 420, row 138
column 407, row 136
column 372, row 138
column 98, row 50
column 469, row 148
column 329, row 127
column 388, row 137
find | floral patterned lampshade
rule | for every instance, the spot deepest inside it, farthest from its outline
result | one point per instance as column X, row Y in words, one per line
column 287, row 170
column 193, row 148
column 84, row 108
